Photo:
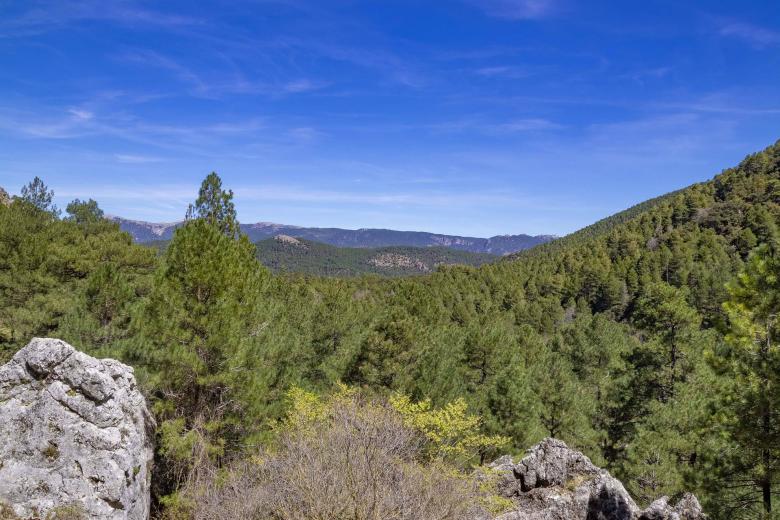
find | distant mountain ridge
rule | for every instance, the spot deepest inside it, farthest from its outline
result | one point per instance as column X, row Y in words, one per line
column 498, row 245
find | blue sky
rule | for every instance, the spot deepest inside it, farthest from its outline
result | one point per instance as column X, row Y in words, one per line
column 474, row 117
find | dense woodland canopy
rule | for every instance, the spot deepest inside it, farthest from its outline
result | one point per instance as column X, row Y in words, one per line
column 291, row 254
column 647, row 340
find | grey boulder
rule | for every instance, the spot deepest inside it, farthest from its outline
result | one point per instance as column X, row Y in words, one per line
column 554, row 482
column 74, row 432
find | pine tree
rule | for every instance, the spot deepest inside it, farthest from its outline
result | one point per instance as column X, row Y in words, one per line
column 215, row 206
column 674, row 444
column 201, row 335
column 598, row 350
column 748, row 412
column 663, row 311
column 37, row 194
column 565, row 405
column 84, row 212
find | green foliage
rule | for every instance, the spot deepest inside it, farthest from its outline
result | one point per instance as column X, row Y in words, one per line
column 39, row 196
column 215, row 206
column 342, row 456
column 663, row 311
column 200, row 331
column 565, row 407
column 307, row 408
column 614, row 338
column 58, row 277
column 748, row 411
column 677, row 446
column 490, row 497
column 296, row 255
column 84, row 212
column 452, row 432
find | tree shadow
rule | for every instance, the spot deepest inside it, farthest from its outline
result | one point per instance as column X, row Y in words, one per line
column 608, row 505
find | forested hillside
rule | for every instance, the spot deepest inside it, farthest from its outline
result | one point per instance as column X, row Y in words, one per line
column 284, row 253
column 646, row 340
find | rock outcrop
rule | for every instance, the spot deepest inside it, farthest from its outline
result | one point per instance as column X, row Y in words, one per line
column 74, row 432
column 554, row 482
column 394, row 260
column 292, row 241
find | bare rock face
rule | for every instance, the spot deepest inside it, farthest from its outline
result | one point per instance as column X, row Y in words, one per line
column 554, row 482
column 391, row 260
column 74, row 432
column 287, row 239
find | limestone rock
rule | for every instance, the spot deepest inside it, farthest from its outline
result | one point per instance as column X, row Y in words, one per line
column 554, row 482
column 74, row 430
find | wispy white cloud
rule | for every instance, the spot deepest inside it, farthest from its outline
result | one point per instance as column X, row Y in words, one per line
column 517, row 9
column 504, row 71
column 644, row 75
column 735, row 102
column 215, row 81
column 135, row 159
column 64, row 124
column 660, row 138
column 45, row 15
column 303, row 85
column 192, row 139
column 493, row 127
column 304, row 134
column 178, row 195
column 387, row 63
column 528, row 125
column 81, row 114
column 754, row 35
column 174, row 195
column 155, row 59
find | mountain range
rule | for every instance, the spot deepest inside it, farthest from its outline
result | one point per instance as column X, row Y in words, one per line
column 144, row 232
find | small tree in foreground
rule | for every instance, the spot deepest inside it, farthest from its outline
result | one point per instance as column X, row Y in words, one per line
column 199, row 336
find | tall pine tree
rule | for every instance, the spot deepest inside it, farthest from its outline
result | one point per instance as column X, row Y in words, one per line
column 201, row 335
column 748, row 412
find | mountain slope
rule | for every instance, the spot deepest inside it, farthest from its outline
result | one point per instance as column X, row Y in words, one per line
column 497, row 245
column 598, row 228
column 613, row 339
column 288, row 254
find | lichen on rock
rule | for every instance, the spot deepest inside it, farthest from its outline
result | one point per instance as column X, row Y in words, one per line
column 74, row 432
